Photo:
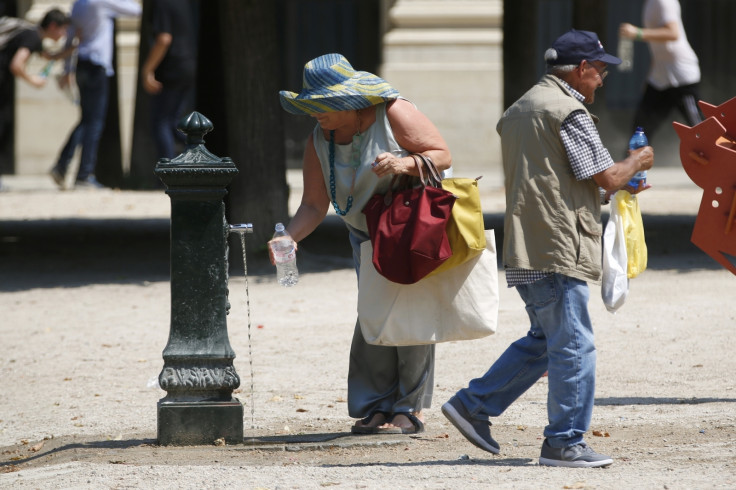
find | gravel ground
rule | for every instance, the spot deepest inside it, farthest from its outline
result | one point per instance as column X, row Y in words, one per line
column 84, row 322
column 79, row 405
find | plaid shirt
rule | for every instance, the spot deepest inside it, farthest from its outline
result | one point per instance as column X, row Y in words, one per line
column 587, row 157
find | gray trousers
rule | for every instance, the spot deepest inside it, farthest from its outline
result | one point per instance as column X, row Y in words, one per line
column 389, row 379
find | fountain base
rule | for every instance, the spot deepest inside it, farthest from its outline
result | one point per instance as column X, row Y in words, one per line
column 199, row 423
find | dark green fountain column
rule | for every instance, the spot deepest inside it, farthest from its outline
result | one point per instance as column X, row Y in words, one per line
column 198, row 373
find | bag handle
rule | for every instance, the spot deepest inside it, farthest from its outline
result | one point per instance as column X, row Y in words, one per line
column 404, row 184
column 433, row 175
column 435, row 172
column 433, row 169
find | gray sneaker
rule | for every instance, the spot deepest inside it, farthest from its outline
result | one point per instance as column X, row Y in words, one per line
column 88, row 183
column 476, row 431
column 577, row 456
column 57, row 177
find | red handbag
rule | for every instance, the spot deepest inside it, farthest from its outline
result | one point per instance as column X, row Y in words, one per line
column 407, row 227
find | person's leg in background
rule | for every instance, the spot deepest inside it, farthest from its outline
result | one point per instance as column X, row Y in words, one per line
column 167, row 107
column 58, row 172
column 687, row 102
column 652, row 111
column 94, row 91
column 6, row 121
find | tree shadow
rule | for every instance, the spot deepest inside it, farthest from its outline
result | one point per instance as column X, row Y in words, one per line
column 494, row 461
column 99, row 445
column 649, row 400
column 79, row 252
column 96, row 450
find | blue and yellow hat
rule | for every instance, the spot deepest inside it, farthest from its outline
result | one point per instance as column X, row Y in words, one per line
column 331, row 84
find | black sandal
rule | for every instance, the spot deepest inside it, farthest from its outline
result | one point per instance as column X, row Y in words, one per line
column 364, row 429
column 418, row 425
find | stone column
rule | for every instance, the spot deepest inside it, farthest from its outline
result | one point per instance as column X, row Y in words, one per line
column 446, row 57
column 198, row 373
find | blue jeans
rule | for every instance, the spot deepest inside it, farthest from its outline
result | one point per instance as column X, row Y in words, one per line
column 560, row 341
column 167, row 107
column 94, row 88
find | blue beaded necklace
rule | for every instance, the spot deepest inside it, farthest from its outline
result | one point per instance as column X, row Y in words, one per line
column 355, row 163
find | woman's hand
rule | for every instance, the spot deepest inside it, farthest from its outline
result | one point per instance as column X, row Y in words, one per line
column 389, row 164
column 270, row 248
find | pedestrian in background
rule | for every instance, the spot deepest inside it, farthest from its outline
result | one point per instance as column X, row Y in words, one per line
column 674, row 74
column 93, row 26
column 554, row 167
column 21, row 39
column 169, row 72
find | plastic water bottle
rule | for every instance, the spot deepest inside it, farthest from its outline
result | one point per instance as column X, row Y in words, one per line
column 626, row 53
column 284, row 255
column 638, row 139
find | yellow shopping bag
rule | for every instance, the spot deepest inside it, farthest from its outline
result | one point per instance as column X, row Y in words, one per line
column 636, row 246
column 465, row 229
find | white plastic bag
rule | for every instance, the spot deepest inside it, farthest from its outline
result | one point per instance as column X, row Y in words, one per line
column 615, row 284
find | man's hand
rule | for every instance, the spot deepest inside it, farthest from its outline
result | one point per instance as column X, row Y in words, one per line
column 636, row 190
column 150, row 84
column 645, row 158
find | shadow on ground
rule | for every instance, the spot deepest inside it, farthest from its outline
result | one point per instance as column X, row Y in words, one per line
column 648, row 400
column 142, row 450
column 77, row 252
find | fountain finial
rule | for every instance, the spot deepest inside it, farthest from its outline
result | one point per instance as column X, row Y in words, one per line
column 195, row 126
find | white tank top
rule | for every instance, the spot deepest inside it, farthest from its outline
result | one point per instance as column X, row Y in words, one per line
column 378, row 138
column 674, row 63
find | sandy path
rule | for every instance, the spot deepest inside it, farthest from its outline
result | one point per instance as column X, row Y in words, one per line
column 77, row 362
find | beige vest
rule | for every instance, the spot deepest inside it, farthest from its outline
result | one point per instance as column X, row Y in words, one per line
column 552, row 222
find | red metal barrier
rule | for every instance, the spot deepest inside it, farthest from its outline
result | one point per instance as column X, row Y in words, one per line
column 708, row 155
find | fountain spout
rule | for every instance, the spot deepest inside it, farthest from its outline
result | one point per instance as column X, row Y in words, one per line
column 241, row 228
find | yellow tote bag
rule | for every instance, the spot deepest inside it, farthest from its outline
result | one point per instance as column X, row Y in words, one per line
column 465, row 228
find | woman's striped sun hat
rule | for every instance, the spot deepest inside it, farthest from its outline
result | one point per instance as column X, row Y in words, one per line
column 331, row 84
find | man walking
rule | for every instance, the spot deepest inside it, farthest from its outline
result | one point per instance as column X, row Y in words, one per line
column 554, row 166
column 170, row 71
column 19, row 41
column 92, row 22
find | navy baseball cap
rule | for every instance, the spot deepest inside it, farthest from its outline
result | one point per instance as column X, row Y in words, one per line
column 575, row 46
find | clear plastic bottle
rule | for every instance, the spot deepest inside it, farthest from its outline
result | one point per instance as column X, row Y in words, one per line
column 626, row 53
column 638, row 139
column 284, row 255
